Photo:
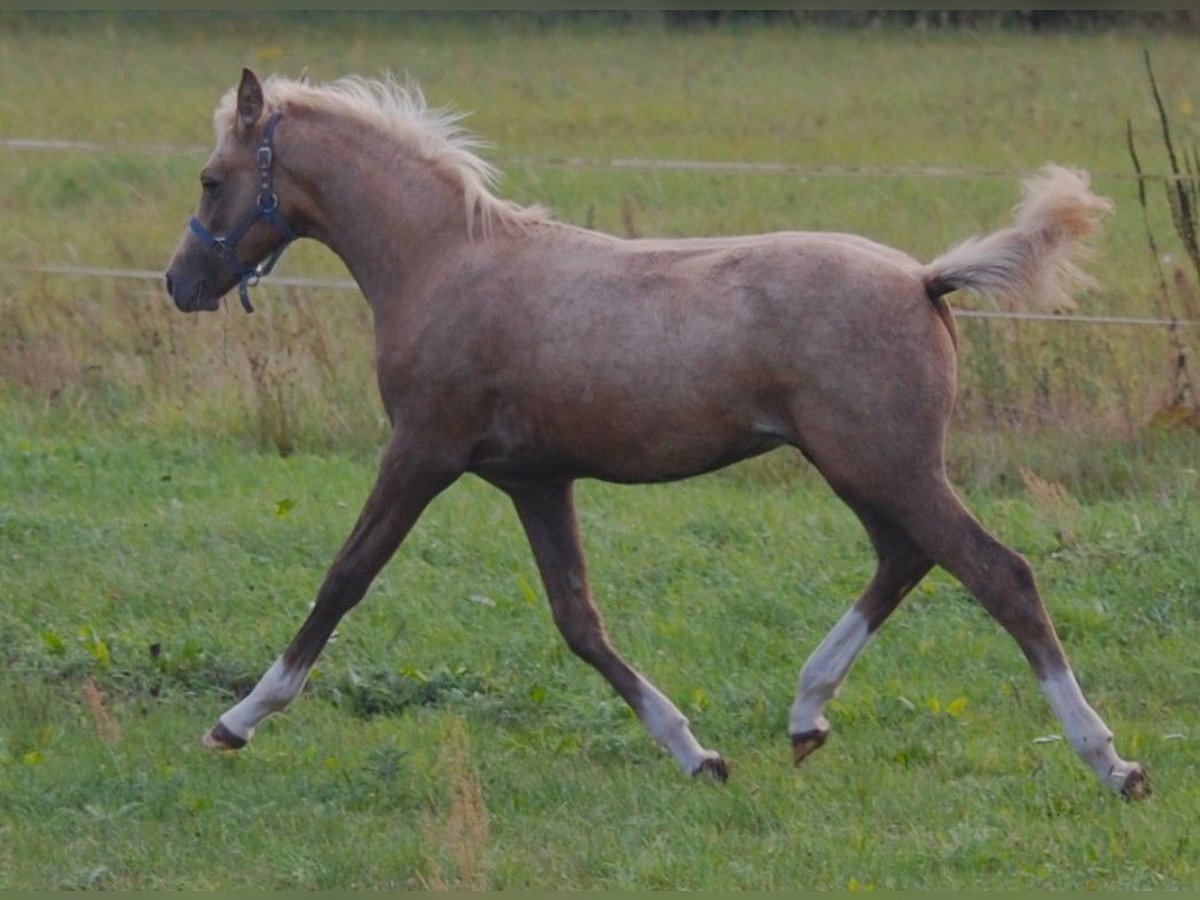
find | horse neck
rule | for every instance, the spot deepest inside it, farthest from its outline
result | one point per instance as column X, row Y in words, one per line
column 386, row 212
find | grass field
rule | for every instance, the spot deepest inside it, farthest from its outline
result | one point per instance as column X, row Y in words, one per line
column 449, row 738
column 982, row 102
column 172, row 488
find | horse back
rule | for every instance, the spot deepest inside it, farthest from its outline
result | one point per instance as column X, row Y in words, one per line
column 653, row 359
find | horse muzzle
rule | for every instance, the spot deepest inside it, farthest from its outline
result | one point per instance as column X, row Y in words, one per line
column 191, row 294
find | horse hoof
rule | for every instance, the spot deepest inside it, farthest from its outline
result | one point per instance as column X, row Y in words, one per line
column 1137, row 785
column 806, row 742
column 714, row 767
column 221, row 738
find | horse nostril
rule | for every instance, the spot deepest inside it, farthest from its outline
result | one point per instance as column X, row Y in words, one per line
column 170, row 285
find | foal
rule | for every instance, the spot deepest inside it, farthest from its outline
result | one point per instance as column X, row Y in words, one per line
column 533, row 353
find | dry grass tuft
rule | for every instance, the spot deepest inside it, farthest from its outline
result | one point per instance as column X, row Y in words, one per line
column 463, row 835
column 1054, row 502
column 106, row 726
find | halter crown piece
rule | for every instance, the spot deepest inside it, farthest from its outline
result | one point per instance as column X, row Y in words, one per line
column 266, row 207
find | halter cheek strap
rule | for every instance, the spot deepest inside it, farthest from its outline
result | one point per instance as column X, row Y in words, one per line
column 266, row 208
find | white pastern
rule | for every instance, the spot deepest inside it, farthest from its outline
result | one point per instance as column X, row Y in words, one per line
column 1085, row 730
column 824, row 671
column 274, row 691
column 669, row 727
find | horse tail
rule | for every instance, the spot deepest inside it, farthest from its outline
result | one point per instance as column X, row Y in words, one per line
column 1034, row 261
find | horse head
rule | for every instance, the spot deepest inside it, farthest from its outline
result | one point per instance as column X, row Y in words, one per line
column 241, row 225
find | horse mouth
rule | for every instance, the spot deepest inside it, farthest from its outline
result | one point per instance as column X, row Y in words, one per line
column 199, row 303
column 198, row 299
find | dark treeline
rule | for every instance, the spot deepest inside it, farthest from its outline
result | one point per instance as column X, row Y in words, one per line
column 925, row 19
column 1021, row 20
column 1027, row 20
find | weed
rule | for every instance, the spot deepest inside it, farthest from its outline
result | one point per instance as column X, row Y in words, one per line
column 390, row 693
column 1176, row 296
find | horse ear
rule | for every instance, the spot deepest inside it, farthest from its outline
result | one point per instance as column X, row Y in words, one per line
column 249, row 101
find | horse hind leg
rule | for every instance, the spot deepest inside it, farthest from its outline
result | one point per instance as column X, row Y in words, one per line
column 548, row 516
column 1003, row 583
column 899, row 568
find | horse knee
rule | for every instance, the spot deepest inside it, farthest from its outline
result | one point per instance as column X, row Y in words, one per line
column 585, row 639
column 342, row 588
column 1011, row 592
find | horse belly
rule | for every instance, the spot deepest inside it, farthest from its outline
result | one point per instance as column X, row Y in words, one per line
column 625, row 445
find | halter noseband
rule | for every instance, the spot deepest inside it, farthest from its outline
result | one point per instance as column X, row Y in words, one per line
column 266, row 207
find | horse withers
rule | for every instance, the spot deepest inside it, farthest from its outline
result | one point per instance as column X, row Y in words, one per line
column 533, row 353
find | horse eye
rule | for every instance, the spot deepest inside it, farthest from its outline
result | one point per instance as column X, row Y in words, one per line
column 209, row 184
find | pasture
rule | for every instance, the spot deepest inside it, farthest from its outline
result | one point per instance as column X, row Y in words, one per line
column 172, row 489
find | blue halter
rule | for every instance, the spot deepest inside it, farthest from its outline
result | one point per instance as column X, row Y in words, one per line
column 266, row 207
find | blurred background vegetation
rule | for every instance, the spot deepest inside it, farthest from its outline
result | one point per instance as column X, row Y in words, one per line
column 912, row 128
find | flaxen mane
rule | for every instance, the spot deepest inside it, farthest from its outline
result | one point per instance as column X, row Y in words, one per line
column 402, row 112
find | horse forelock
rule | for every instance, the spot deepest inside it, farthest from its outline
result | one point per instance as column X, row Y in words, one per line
column 401, row 113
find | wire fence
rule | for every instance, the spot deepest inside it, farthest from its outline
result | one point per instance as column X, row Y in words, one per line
column 49, row 145
column 346, row 284
column 711, row 166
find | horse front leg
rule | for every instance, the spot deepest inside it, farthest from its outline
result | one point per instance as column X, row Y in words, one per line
column 404, row 487
column 547, row 513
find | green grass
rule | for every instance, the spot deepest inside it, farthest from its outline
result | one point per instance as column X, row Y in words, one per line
column 116, row 542
column 172, row 489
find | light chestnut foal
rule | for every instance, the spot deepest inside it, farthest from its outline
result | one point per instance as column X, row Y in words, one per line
column 533, row 353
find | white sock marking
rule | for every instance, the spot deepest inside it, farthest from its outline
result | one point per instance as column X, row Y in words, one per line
column 1085, row 730
column 274, row 691
column 824, row 671
column 669, row 727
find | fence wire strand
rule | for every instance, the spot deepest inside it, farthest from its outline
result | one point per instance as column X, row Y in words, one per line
column 347, row 284
column 726, row 167
column 50, row 145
